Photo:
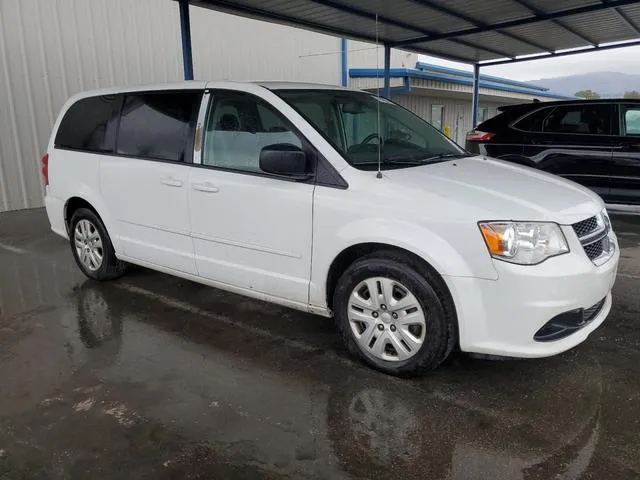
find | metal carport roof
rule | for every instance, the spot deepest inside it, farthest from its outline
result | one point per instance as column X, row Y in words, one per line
column 478, row 32
column 462, row 30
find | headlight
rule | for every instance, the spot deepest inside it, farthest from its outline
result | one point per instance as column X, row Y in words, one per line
column 525, row 243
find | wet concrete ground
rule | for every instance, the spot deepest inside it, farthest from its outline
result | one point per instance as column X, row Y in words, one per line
column 155, row 377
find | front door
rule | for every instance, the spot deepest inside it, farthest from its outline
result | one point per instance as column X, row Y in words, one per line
column 574, row 141
column 625, row 168
column 146, row 183
column 250, row 230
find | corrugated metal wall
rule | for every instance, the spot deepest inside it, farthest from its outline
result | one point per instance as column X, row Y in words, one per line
column 457, row 113
column 51, row 49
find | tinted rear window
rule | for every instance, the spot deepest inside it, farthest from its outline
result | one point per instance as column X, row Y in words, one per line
column 588, row 118
column 158, row 125
column 85, row 125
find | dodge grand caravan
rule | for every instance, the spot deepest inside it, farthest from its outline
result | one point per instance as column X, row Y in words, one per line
column 334, row 202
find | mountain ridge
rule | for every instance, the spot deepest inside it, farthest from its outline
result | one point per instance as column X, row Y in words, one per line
column 607, row 84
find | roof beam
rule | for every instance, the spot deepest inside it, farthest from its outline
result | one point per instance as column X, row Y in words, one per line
column 368, row 15
column 625, row 18
column 259, row 14
column 476, row 23
column 492, row 63
column 406, row 26
column 516, row 23
column 561, row 24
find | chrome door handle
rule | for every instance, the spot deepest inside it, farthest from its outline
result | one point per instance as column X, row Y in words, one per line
column 171, row 182
column 205, row 187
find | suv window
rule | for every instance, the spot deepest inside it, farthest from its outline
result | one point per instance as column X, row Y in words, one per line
column 587, row 119
column 239, row 126
column 158, row 125
column 85, row 125
column 534, row 121
column 631, row 119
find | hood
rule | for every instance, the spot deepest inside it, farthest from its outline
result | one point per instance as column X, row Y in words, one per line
column 497, row 190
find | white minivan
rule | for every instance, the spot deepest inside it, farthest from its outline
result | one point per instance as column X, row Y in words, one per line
column 335, row 202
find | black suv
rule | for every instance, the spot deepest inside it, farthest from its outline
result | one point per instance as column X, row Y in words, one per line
column 593, row 142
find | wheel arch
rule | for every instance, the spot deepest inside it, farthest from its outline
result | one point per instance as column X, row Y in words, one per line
column 350, row 254
column 86, row 198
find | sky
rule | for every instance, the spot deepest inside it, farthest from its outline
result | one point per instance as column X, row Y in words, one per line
column 625, row 60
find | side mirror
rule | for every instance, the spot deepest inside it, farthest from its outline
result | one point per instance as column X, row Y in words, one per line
column 285, row 160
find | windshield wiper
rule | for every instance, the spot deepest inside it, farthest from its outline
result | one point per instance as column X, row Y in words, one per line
column 392, row 161
column 443, row 156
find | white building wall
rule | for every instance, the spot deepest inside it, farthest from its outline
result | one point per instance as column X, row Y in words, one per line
column 51, row 49
column 457, row 113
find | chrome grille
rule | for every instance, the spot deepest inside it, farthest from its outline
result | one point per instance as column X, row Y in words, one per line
column 585, row 227
column 593, row 234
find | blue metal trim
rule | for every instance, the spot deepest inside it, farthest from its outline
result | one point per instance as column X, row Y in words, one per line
column 404, row 90
column 419, row 74
column 344, row 79
column 491, row 63
column 386, row 93
column 517, row 23
column 463, row 73
column 185, row 30
column 476, row 95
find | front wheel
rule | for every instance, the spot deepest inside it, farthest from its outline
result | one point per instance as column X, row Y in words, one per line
column 394, row 315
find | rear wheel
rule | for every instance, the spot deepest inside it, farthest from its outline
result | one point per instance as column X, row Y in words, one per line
column 92, row 248
column 394, row 315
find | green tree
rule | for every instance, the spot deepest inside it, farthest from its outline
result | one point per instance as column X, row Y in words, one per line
column 587, row 94
column 632, row 94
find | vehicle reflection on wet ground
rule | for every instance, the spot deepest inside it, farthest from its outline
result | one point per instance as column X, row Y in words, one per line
column 152, row 376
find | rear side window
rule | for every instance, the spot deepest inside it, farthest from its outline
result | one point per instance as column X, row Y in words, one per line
column 534, row 121
column 85, row 125
column 631, row 120
column 583, row 119
column 158, row 125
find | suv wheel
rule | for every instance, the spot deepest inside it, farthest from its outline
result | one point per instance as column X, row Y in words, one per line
column 393, row 315
column 92, row 248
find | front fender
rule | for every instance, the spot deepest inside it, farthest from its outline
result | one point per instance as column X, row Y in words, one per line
column 451, row 249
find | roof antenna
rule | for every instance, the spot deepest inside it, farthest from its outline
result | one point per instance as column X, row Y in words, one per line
column 379, row 174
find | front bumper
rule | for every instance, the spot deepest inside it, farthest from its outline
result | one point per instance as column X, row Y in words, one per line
column 501, row 317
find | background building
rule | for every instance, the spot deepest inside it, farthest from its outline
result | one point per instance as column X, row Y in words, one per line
column 51, row 49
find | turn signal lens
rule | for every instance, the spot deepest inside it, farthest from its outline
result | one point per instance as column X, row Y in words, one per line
column 524, row 243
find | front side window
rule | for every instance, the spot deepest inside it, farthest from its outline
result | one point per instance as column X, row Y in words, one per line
column 158, row 125
column 239, row 126
column 593, row 119
column 364, row 128
column 632, row 120
column 85, row 125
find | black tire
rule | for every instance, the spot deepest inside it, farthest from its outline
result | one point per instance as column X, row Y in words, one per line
column 430, row 291
column 110, row 267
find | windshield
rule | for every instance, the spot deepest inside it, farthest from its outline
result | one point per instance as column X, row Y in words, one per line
column 358, row 129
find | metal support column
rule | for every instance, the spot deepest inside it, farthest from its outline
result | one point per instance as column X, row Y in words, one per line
column 343, row 63
column 386, row 92
column 185, row 30
column 476, row 94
